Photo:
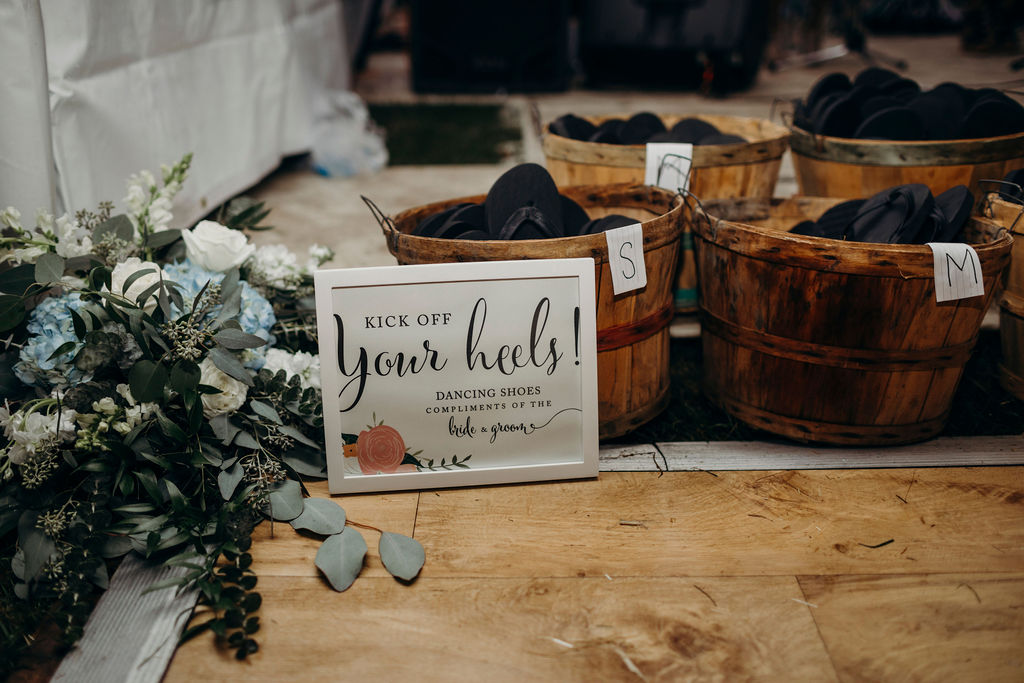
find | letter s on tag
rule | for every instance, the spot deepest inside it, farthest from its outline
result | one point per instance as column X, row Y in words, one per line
column 626, row 258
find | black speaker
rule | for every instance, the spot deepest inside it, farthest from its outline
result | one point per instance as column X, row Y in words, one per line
column 488, row 47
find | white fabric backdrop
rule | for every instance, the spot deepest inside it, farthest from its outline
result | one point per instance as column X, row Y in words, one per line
column 136, row 83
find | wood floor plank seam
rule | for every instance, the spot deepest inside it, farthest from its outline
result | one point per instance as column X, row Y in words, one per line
column 817, row 628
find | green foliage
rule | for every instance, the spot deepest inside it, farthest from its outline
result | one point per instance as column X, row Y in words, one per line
column 130, row 446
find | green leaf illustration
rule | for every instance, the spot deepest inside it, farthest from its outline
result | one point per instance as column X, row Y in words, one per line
column 340, row 558
column 321, row 516
column 402, row 556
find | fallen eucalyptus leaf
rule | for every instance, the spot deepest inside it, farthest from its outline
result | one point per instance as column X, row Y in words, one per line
column 402, row 556
column 340, row 558
column 286, row 501
column 321, row 516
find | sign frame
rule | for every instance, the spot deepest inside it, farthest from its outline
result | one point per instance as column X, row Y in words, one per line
column 476, row 276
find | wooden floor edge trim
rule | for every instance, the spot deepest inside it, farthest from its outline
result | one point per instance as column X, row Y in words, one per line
column 688, row 456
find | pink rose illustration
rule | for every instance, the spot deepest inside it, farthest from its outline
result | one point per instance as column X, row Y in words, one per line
column 381, row 450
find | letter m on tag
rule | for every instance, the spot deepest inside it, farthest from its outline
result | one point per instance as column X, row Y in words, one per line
column 957, row 271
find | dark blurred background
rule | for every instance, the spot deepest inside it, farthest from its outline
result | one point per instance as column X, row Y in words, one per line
column 713, row 46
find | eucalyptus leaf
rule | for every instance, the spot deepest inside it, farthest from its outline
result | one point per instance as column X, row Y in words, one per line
column 120, row 226
column 161, row 239
column 18, row 565
column 246, row 440
column 286, row 501
column 228, row 480
column 234, row 339
column 37, row 546
column 18, row 279
column 49, row 268
column 321, row 516
column 147, row 379
column 12, row 311
column 100, row 576
column 185, row 376
column 265, row 411
column 307, row 462
column 231, row 304
column 115, row 546
column 229, row 365
column 297, row 435
column 223, row 428
column 341, row 557
column 402, row 556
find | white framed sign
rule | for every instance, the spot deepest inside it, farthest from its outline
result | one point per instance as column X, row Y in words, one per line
column 458, row 374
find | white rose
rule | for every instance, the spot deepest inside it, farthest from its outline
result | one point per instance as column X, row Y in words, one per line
column 305, row 365
column 232, row 392
column 216, row 247
column 131, row 265
column 26, row 433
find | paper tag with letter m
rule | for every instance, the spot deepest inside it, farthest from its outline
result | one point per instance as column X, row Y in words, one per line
column 957, row 271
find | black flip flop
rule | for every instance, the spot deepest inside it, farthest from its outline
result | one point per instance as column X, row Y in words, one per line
column 573, row 216
column 691, row 129
column 608, row 132
column 895, row 123
column 464, row 219
column 640, row 127
column 993, row 116
column 528, row 223
column 833, row 223
column 429, row 225
column 572, row 126
column 875, row 76
column 892, row 216
column 840, row 119
column 956, row 205
column 826, row 85
column 523, row 186
column 609, row 222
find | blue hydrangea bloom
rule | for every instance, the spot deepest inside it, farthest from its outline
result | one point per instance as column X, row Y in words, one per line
column 255, row 317
column 50, row 326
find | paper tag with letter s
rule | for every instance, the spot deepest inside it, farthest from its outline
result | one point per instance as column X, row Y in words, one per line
column 626, row 258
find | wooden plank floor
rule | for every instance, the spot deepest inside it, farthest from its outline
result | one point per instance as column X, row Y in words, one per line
column 820, row 575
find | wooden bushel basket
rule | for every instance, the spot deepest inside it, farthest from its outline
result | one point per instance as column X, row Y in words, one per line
column 842, row 167
column 1011, row 304
column 830, row 341
column 632, row 334
column 749, row 169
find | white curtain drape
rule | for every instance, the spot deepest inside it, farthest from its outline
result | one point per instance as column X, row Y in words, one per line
column 104, row 88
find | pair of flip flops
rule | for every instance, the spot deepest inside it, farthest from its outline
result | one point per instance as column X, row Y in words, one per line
column 640, row 129
column 523, row 204
column 904, row 214
column 879, row 104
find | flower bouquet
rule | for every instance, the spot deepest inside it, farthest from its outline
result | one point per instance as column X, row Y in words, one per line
column 161, row 396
